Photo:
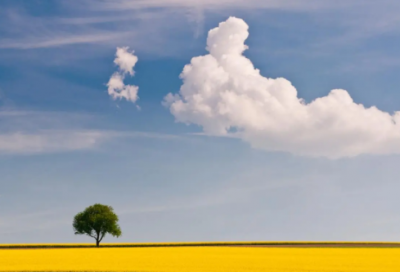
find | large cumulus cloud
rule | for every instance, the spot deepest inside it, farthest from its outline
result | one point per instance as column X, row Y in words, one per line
column 224, row 94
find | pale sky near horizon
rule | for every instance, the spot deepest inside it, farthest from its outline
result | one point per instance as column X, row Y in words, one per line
column 306, row 148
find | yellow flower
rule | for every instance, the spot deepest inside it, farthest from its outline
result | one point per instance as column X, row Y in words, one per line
column 201, row 259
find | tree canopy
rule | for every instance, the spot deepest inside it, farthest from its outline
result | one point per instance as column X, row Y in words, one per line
column 96, row 221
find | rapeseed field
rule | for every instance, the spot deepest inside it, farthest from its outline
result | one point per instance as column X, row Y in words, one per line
column 202, row 259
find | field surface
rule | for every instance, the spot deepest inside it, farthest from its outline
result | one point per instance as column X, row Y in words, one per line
column 204, row 259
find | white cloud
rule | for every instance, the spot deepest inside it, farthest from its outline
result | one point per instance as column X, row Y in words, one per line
column 147, row 24
column 117, row 89
column 68, row 140
column 35, row 132
column 125, row 60
column 56, row 41
column 224, row 94
column 212, row 4
column 50, row 141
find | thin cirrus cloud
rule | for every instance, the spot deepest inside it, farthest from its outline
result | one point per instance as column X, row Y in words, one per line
column 224, row 94
column 211, row 4
column 131, row 21
column 117, row 89
column 35, row 132
column 46, row 141
column 50, row 141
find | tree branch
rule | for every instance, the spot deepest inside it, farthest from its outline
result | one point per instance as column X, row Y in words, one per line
column 102, row 236
column 92, row 236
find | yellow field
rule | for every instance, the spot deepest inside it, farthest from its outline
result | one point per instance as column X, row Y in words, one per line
column 202, row 259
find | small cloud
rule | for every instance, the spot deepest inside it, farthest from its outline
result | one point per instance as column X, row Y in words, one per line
column 117, row 89
column 125, row 60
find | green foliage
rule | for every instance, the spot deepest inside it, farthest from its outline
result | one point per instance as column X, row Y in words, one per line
column 96, row 221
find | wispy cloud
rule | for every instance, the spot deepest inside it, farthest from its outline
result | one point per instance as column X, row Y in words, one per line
column 59, row 40
column 163, row 28
column 84, row 21
column 49, row 141
column 57, row 141
column 160, row 28
column 34, row 132
column 84, row 24
column 21, row 30
column 210, row 4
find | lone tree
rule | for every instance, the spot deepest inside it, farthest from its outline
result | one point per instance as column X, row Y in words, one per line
column 96, row 221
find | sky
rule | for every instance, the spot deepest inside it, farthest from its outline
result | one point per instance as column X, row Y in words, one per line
column 224, row 120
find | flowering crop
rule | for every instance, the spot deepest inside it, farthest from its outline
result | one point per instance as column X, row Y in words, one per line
column 202, row 259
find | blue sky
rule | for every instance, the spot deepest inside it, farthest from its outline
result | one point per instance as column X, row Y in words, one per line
column 66, row 144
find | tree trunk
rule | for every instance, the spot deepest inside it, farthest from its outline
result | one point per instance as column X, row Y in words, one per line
column 97, row 238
